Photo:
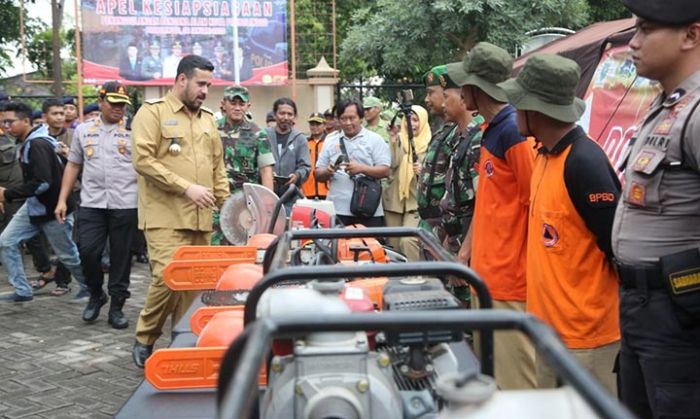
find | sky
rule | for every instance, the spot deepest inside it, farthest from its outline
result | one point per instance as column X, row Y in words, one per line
column 41, row 9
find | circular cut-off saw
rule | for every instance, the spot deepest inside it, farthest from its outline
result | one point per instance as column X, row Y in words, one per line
column 248, row 212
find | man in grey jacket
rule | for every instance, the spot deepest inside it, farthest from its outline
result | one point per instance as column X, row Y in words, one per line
column 289, row 147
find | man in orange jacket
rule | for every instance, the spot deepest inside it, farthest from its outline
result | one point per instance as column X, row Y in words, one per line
column 312, row 188
column 496, row 250
column 571, row 282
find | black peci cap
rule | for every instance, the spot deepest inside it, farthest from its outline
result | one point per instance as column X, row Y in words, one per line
column 668, row 12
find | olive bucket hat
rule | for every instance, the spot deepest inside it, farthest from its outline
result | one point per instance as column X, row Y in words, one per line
column 484, row 66
column 547, row 84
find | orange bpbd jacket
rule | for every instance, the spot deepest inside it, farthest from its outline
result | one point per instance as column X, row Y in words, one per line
column 311, row 188
column 571, row 284
column 499, row 226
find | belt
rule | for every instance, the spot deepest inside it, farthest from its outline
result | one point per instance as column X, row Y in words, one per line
column 640, row 277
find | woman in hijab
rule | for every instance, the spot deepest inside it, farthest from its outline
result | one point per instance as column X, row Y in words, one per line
column 400, row 207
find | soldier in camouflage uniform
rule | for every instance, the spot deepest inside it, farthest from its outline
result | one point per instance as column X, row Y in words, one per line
column 431, row 181
column 152, row 66
column 461, row 178
column 373, row 120
column 247, row 157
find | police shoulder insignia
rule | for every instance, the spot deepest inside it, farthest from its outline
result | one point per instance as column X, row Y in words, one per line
column 154, row 101
column 207, row 110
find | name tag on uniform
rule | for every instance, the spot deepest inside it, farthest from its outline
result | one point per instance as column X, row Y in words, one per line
column 170, row 122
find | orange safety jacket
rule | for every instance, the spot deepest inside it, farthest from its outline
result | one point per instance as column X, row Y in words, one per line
column 311, row 188
column 499, row 226
column 571, row 283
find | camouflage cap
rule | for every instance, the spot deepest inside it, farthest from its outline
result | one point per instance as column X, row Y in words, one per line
column 371, row 102
column 432, row 76
column 547, row 84
column 114, row 92
column 669, row 12
column 484, row 66
column 231, row 92
column 316, row 117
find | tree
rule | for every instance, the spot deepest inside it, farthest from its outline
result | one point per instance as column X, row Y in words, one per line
column 314, row 32
column 603, row 10
column 405, row 38
column 56, row 23
column 9, row 30
column 40, row 53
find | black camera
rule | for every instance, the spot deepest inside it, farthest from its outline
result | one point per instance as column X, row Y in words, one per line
column 340, row 159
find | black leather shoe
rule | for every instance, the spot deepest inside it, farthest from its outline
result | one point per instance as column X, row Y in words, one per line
column 92, row 311
column 141, row 353
column 116, row 317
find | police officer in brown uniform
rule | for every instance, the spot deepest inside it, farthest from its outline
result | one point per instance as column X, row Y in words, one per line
column 179, row 156
column 656, row 233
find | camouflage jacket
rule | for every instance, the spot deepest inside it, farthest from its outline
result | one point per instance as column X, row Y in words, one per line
column 244, row 153
column 435, row 164
column 381, row 129
column 461, row 180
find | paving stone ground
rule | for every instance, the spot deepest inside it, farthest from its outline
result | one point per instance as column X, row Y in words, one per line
column 53, row 365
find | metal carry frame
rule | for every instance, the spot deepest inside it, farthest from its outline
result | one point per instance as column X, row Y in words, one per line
column 334, row 272
column 431, row 245
column 237, row 404
column 281, row 249
column 446, row 266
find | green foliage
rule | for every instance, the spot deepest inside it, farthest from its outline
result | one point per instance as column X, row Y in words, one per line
column 314, row 29
column 603, row 10
column 405, row 38
column 313, row 35
column 40, row 52
column 9, row 30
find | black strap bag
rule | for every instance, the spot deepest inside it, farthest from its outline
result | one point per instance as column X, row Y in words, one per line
column 366, row 191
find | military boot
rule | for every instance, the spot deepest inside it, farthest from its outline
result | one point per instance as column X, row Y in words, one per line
column 116, row 316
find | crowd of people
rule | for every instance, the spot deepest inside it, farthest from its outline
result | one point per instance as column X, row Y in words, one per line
column 496, row 168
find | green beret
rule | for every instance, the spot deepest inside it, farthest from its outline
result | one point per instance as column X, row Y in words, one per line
column 432, row 77
column 446, row 82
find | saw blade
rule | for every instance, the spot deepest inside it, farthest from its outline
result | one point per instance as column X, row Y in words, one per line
column 237, row 221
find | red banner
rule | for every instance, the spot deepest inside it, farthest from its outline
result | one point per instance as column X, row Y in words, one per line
column 616, row 101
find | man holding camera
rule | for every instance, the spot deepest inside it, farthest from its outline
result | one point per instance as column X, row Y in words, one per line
column 352, row 152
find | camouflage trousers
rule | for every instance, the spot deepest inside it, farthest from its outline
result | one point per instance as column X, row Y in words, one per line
column 452, row 244
column 217, row 236
column 434, row 227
